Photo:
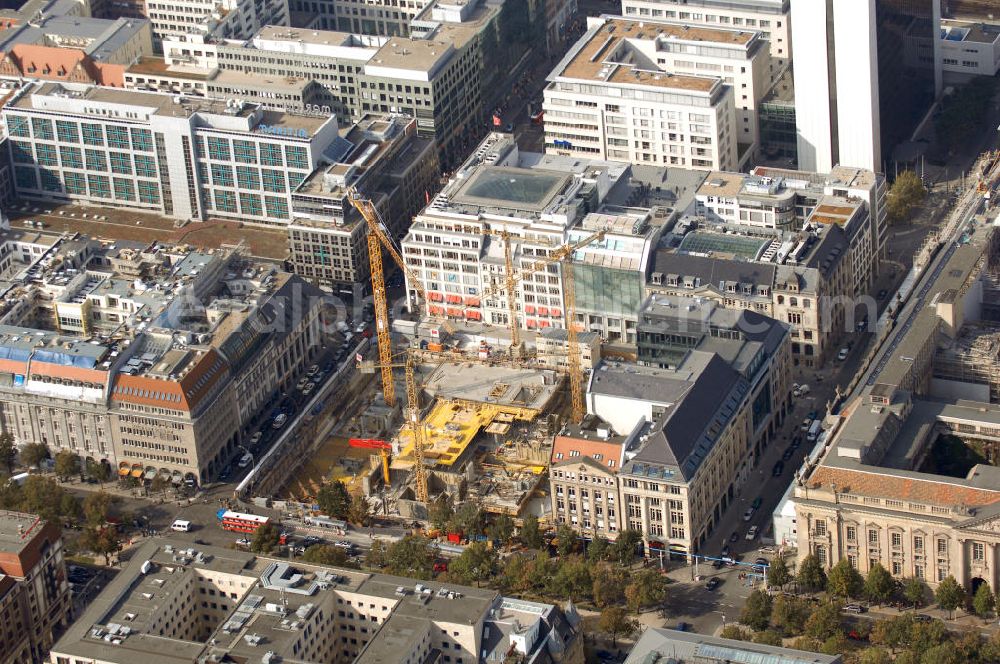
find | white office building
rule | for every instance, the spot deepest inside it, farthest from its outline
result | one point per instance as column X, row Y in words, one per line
column 613, row 96
column 851, row 106
column 181, row 157
column 769, row 17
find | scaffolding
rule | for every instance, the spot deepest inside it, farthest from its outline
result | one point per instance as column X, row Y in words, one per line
column 973, row 357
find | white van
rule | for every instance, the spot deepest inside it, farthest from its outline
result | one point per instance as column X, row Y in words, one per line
column 181, row 526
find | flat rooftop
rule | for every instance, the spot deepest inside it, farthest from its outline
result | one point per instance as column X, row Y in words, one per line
column 966, row 31
column 605, row 54
column 17, row 529
column 498, row 385
column 503, row 186
column 150, row 66
column 414, row 54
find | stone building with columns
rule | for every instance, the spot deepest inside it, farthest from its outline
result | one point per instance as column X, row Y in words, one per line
column 872, row 491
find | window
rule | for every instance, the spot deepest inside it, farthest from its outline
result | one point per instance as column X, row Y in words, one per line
column 276, row 207
column 100, row 186
column 897, row 568
column 45, row 155
column 50, row 180
column 246, row 152
column 225, row 201
column 247, row 177
column 149, row 192
column 42, row 128
column 17, row 125
column 873, row 537
column 820, row 527
column 93, row 134
column 273, row 180
column 118, row 137
column 942, row 547
column 222, row 176
column 897, row 540
column 124, row 189
column 71, row 157
column 142, row 140
column 250, row 204
column 68, row 132
column 144, row 166
column 25, row 178
column 218, row 148
column 918, row 544
column 96, row 161
column 978, row 551
column 21, row 152
column 121, row 163
column 852, row 534
column 76, row 183
column 295, row 157
column 270, row 154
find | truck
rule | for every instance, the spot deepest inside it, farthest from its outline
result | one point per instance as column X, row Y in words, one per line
column 814, row 429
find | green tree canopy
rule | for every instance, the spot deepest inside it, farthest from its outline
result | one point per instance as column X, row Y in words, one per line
column 905, row 194
column 530, row 534
column 567, row 540
column 879, row 584
column 616, row 622
column 983, row 601
column 736, row 633
column 469, row 520
column 609, row 585
column 599, row 549
column 102, row 540
column 824, row 621
column 914, row 591
column 949, row 594
column 502, row 529
column 334, row 500
column 67, row 465
column 648, row 588
column 33, row 454
column 777, row 572
column 844, row 580
column 477, row 564
column 625, row 546
column 325, row 554
column 573, row 579
column 811, row 576
column 97, row 507
column 265, row 538
column 412, row 556
column 440, row 512
column 359, row 511
column 8, row 452
column 756, row 612
column 789, row 615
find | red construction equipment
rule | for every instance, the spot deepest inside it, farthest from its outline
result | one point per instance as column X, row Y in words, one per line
column 375, row 444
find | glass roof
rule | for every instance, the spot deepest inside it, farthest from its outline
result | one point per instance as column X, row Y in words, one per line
column 740, row 245
column 516, row 186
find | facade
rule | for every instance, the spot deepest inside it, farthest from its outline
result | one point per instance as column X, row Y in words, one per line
column 873, row 492
column 74, row 49
column 690, row 648
column 865, row 77
column 182, row 157
column 770, row 17
column 596, row 105
column 215, row 604
column 35, row 600
column 774, row 198
column 583, row 476
column 387, row 163
column 808, row 284
column 455, row 246
column 104, row 356
column 224, row 19
column 969, row 49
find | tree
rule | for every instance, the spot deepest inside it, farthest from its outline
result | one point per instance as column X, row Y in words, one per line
column 97, row 508
column 906, row 193
column 624, row 547
column 844, row 580
column 824, row 621
column 411, row 556
column 834, row 644
column 874, row 656
column 926, row 635
column 43, row 496
column 735, row 632
column 8, row 452
column 789, row 615
column 160, row 484
column 530, row 535
column 439, row 512
column 99, row 471
column 914, row 591
column 879, row 584
column 478, row 563
column 942, row 654
column 806, row 643
column 616, row 622
column 756, row 612
column 893, row 632
column 811, row 576
column 949, row 595
column 777, row 573
column 768, row 637
column 983, row 601
column 359, row 511
column 573, row 579
column 566, row 539
column 378, row 555
column 334, row 500
column 67, row 465
column 599, row 549
column 324, row 554
column 33, row 454
column 265, row 539
column 609, row 585
column 468, row 519
column 102, row 540
column 648, row 588
column 502, row 529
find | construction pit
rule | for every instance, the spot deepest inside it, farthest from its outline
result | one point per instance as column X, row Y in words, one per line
column 487, row 437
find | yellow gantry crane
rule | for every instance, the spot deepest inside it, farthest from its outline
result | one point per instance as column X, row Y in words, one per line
column 563, row 255
column 412, row 417
column 378, row 237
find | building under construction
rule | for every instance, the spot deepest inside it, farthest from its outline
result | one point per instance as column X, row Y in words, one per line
column 972, row 357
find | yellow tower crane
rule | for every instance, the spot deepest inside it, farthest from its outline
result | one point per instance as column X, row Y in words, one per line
column 412, row 417
column 563, row 255
column 378, row 237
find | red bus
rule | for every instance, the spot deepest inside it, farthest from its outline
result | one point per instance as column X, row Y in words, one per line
column 241, row 523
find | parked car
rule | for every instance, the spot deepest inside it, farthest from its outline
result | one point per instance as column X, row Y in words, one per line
column 735, row 536
column 683, row 627
column 806, row 423
column 308, row 389
column 748, row 514
column 842, row 355
column 778, row 469
column 243, row 541
column 312, row 370
column 725, row 550
column 245, row 460
column 855, row 608
column 752, row 533
column 713, row 583
column 788, row 453
column 716, row 564
column 761, row 562
column 279, row 421
column 757, row 503
column 302, row 383
column 255, row 438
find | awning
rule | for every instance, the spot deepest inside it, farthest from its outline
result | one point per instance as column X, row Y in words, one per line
column 150, row 474
column 123, row 472
column 137, row 472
